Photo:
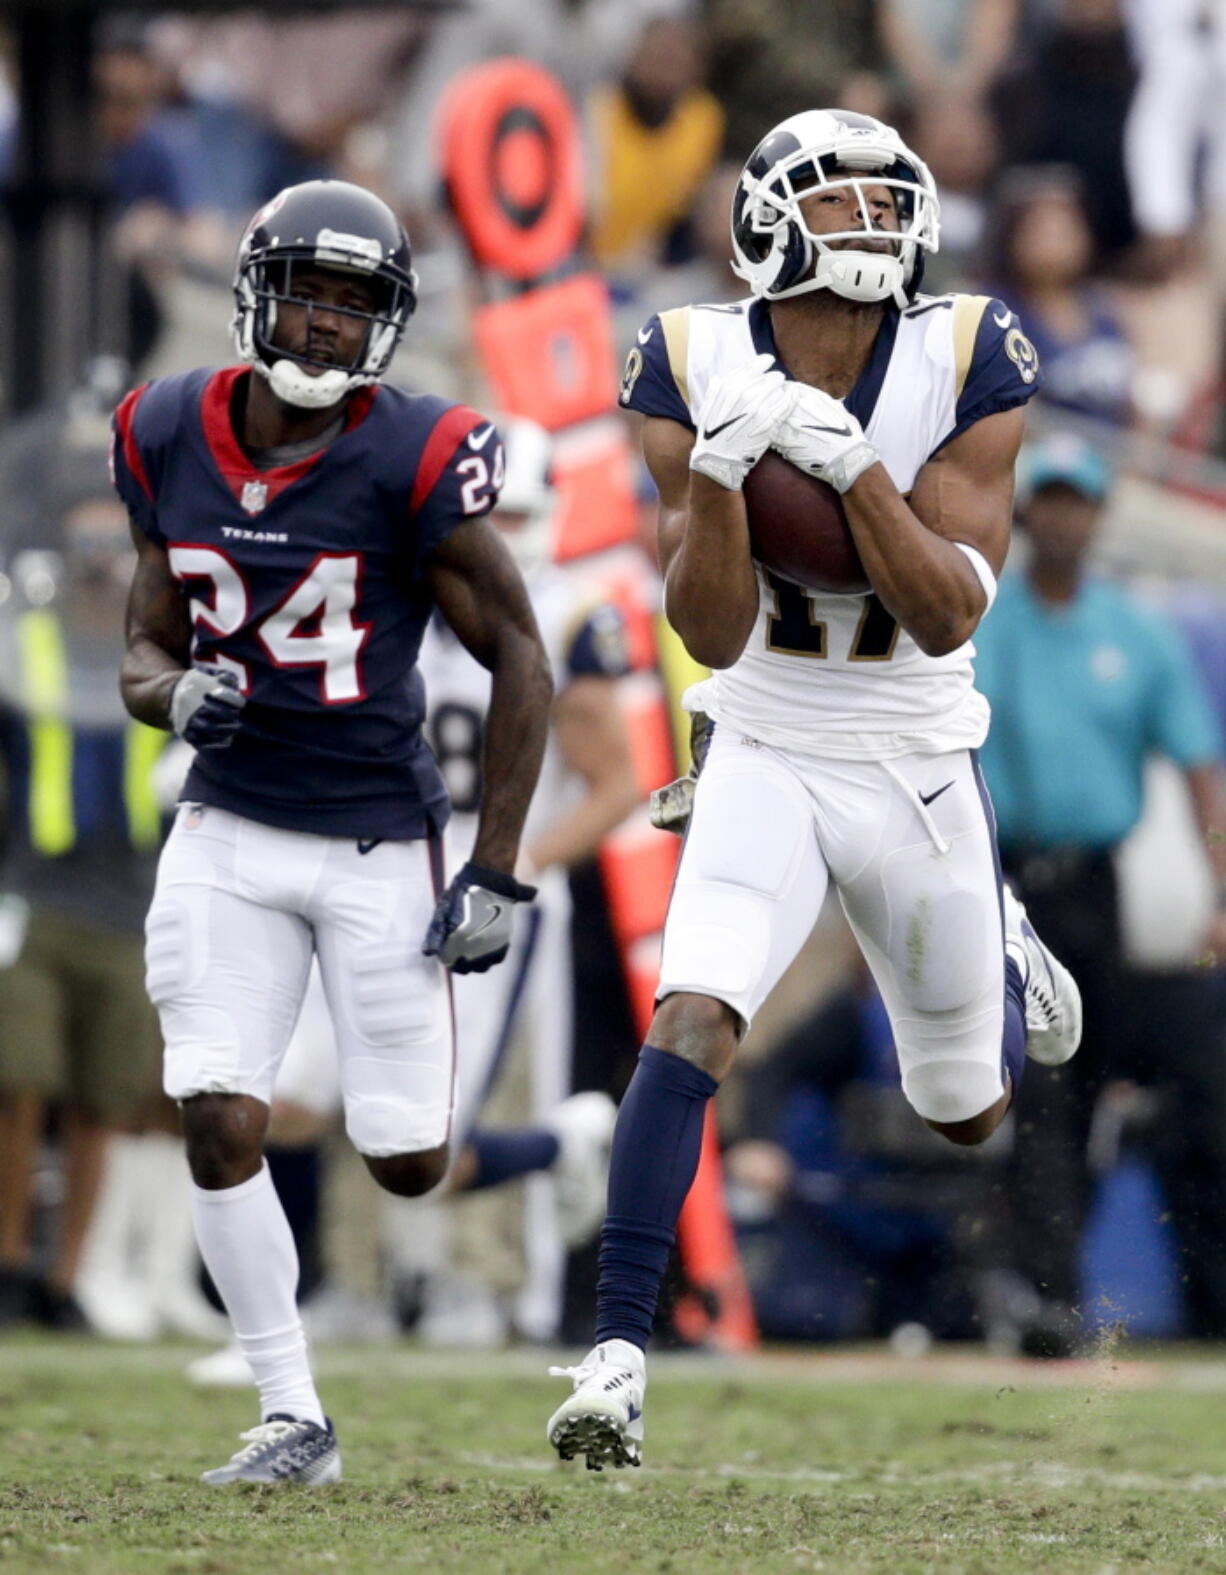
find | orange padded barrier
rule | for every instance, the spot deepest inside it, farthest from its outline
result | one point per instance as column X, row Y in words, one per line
column 549, row 353
column 512, row 166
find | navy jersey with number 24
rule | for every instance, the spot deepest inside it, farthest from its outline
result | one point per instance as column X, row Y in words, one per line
column 308, row 582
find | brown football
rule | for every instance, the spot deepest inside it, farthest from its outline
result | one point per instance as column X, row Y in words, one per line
column 797, row 526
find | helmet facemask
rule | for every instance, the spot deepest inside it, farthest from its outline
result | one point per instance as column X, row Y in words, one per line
column 780, row 256
column 265, row 283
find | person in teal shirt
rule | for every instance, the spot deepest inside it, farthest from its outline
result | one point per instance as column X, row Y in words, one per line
column 1085, row 683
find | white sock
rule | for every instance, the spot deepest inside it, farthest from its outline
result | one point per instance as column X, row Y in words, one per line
column 248, row 1248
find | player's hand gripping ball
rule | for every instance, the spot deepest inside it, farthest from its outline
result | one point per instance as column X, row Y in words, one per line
column 737, row 422
column 471, row 927
column 798, row 527
column 793, row 495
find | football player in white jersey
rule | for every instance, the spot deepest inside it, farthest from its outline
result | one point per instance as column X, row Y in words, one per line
column 845, row 726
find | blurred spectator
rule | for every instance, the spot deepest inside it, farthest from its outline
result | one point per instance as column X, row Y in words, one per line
column 874, row 1222
column 154, row 170
column 1175, row 139
column 83, row 826
column 656, row 134
column 36, row 448
column 956, row 138
column 705, row 275
column 1038, row 256
column 1084, row 685
column 583, row 42
column 946, row 48
column 777, row 57
column 277, row 103
column 1063, row 99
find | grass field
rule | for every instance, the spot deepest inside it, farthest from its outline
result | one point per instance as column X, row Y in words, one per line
column 952, row 1464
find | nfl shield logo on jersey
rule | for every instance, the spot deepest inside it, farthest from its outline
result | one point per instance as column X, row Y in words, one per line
column 255, row 496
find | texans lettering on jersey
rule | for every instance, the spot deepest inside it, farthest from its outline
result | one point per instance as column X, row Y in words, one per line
column 308, row 582
column 835, row 675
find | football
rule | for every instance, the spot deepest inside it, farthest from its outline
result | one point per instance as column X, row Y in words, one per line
column 797, row 525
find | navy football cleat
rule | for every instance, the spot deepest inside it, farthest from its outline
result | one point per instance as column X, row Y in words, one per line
column 283, row 1449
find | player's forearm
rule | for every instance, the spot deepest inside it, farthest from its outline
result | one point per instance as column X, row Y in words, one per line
column 711, row 591
column 515, row 732
column 146, row 680
column 924, row 581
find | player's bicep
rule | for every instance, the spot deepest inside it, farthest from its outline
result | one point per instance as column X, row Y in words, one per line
column 965, row 493
column 666, row 449
column 157, row 607
column 479, row 591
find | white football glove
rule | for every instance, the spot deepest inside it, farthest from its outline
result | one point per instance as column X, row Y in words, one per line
column 820, row 436
column 737, row 421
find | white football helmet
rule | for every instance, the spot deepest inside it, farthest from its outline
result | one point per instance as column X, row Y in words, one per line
column 776, row 252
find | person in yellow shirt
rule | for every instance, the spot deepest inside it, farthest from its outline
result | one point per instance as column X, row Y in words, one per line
column 656, row 134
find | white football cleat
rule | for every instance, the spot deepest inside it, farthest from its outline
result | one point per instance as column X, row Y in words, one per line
column 603, row 1419
column 283, row 1449
column 583, row 1126
column 1053, row 1001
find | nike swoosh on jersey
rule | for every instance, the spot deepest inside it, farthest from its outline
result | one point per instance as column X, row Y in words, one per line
column 645, row 334
column 1002, row 322
column 479, row 440
column 927, row 798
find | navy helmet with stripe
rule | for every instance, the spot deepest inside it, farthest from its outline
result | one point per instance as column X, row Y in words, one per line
column 342, row 228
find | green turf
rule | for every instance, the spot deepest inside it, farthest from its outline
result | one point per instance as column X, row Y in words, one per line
column 801, row 1463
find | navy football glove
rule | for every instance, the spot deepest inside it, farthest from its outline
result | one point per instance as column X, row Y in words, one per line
column 206, row 707
column 471, row 927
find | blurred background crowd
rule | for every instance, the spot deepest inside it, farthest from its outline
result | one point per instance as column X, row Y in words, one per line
column 1079, row 147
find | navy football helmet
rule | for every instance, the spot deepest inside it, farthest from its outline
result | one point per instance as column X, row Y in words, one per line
column 777, row 253
column 339, row 227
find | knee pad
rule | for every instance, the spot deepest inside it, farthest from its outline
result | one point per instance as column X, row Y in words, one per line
column 949, row 1091
column 394, row 1107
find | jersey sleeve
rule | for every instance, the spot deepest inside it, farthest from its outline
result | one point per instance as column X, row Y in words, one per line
column 599, row 646
column 997, row 365
column 654, row 376
column 459, row 476
column 129, row 469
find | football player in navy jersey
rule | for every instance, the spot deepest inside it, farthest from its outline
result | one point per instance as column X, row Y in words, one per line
column 296, row 524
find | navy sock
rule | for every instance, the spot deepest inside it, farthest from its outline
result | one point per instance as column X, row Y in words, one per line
column 501, row 1156
column 655, row 1155
column 1013, row 1041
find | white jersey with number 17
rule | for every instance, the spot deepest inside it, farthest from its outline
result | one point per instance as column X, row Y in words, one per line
column 830, row 674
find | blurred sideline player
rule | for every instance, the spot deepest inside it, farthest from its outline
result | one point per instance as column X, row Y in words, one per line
column 296, row 525
column 586, row 788
column 845, row 726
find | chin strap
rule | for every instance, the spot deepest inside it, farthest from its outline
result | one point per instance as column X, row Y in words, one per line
column 861, row 276
column 295, row 386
